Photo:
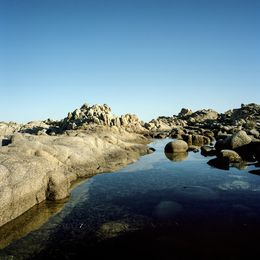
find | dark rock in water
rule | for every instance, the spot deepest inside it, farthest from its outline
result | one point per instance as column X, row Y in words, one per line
column 222, row 164
column 208, row 151
column 247, row 152
column 256, row 150
column 177, row 146
column 177, row 157
column 222, row 144
column 256, row 172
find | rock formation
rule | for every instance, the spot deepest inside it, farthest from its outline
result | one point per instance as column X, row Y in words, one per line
column 35, row 168
column 39, row 160
column 100, row 115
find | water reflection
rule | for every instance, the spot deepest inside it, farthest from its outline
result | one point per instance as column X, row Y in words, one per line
column 224, row 164
column 177, row 157
column 149, row 207
column 31, row 220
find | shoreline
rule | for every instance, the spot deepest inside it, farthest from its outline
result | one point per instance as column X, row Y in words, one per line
column 38, row 168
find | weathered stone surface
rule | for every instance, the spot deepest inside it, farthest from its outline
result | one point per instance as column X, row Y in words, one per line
column 231, row 155
column 239, row 139
column 35, row 168
column 177, row 146
column 87, row 116
column 184, row 113
column 254, row 132
column 208, row 150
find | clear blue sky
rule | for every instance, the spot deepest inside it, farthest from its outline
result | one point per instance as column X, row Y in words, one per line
column 149, row 57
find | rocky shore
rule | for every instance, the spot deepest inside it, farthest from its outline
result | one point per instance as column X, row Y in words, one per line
column 232, row 137
column 40, row 160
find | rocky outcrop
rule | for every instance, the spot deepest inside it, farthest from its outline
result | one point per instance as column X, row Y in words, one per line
column 164, row 124
column 185, row 113
column 35, row 168
column 247, row 116
column 100, row 115
column 201, row 116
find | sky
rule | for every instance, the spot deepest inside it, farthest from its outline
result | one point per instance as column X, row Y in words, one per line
column 148, row 57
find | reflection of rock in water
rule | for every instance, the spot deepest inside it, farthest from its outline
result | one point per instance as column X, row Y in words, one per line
column 28, row 222
column 177, row 157
column 224, row 164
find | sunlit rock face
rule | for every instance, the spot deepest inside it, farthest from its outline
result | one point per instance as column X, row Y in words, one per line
column 100, row 115
column 35, row 168
column 177, row 146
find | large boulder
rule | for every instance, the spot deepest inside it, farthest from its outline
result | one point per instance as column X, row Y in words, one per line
column 177, row 146
column 239, row 139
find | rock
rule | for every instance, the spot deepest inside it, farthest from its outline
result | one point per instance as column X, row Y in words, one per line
column 239, row 139
column 254, row 132
column 161, row 135
column 177, row 146
column 221, row 144
column 35, row 168
column 187, row 138
column 184, row 113
column 202, row 116
column 232, row 156
column 200, row 140
column 177, row 157
column 151, row 150
column 222, row 163
column 255, row 149
column 58, row 186
column 194, row 148
column 208, row 151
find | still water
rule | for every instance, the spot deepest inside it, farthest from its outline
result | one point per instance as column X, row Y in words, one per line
column 153, row 208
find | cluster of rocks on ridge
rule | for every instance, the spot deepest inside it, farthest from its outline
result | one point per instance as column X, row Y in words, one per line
column 85, row 118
